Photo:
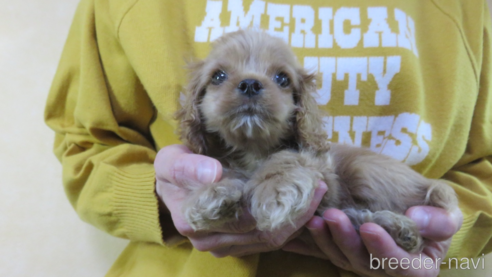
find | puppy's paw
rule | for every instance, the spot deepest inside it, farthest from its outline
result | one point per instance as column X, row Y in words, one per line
column 280, row 200
column 401, row 228
column 408, row 238
column 214, row 205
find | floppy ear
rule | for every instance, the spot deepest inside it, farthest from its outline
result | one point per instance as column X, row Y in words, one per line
column 191, row 127
column 308, row 120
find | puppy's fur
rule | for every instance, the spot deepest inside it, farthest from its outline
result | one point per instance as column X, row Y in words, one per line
column 267, row 132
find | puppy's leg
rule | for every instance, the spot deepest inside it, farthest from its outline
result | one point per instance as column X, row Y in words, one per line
column 211, row 206
column 401, row 228
column 378, row 182
column 388, row 188
column 282, row 189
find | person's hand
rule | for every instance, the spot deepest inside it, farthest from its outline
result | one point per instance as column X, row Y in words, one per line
column 175, row 164
column 334, row 238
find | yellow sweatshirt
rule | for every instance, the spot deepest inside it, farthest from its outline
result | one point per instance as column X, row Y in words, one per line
column 409, row 79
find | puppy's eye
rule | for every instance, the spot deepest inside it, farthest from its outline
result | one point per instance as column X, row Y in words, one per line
column 219, row 77
column 282, row 79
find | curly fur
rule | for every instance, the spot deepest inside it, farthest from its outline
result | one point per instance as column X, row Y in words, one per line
column 274, row 150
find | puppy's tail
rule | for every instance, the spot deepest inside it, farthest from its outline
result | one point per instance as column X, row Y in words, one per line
column 441, row 195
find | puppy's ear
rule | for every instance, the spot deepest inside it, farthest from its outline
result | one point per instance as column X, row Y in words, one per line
column 191, row 127
column 308, row 121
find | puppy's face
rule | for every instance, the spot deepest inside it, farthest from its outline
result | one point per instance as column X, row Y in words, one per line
column 249, row 82
column 250, row 93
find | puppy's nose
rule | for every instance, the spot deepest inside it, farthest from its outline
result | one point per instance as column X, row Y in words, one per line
column 250, row 87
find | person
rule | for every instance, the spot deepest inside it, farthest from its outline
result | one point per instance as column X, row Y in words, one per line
column 409, row 79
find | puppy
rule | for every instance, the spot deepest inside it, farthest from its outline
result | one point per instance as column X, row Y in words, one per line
column 249, row 104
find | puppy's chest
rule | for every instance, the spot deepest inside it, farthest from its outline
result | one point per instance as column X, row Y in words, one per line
column 242, row 167
column 244, row 161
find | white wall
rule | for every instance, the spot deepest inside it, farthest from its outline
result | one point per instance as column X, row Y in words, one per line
column 40, row 234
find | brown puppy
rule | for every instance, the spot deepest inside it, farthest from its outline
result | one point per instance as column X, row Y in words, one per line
column 249, row 104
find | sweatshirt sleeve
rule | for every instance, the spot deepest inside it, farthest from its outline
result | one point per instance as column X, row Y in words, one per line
column 472, row 176
column 101, row 114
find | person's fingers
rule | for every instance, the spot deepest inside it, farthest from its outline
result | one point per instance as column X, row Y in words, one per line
column 177, row 164
column 345, row 236
column 387, row 255
column 322, row 237
column 250, row 240
column 349, row 243
column 224, row 241
column 268, row 244
column 434, row 223
column 300, row 247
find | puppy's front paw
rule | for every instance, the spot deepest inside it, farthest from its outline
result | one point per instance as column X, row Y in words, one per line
column 214, row 205
column 280, row 200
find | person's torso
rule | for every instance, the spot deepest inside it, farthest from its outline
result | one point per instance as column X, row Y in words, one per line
column 398, row 77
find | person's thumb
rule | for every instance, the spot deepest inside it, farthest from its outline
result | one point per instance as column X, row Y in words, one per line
column 177, row 164
column 435, row 223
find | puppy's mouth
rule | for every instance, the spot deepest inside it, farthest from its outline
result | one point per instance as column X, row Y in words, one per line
column 247, row 119
column 249, row 110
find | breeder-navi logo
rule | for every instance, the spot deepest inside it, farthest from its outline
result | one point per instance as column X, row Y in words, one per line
column 427, row 263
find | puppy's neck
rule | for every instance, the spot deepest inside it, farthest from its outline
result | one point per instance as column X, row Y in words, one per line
column 247, row 153
column 247, row 160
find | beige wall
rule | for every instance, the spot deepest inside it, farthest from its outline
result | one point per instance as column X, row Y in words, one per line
column 40, row 234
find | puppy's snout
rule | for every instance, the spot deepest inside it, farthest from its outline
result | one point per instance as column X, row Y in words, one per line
column 250, row 87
